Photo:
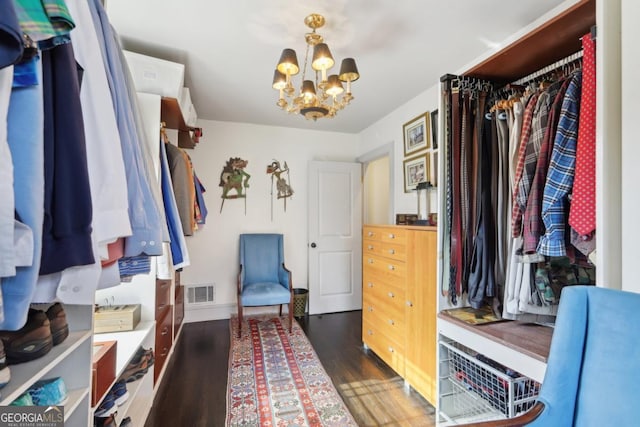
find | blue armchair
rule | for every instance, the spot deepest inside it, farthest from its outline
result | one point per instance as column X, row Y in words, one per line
column 593, row 370
column 263, row 278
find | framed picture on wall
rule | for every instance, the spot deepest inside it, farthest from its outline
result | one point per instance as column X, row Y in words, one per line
column 417, row 134
column 434, row 129
column 416, row 170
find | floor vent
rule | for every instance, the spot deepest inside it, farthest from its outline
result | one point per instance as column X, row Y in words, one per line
column 201, row 294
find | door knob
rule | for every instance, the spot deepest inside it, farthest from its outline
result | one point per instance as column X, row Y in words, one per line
column 313, row 244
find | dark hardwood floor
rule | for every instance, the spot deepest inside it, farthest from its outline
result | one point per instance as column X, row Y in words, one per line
column 193, row 391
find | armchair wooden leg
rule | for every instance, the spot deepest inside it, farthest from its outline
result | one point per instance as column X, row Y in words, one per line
column 280, row 314
column 239, row 321
column 290, row 317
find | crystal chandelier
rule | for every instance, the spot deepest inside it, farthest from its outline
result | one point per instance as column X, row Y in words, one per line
column 316, row 99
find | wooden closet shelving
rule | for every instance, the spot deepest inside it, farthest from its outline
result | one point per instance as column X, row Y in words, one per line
column 172, row 115
column 555, row 39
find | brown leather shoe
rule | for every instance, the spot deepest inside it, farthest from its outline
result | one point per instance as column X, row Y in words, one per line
column 58, row 320
column 31, row 342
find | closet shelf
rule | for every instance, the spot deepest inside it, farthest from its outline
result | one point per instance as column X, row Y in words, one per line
column 128, row 343
column 555, row 39
column 75, row 398
column 171, row 114
column 25, row 374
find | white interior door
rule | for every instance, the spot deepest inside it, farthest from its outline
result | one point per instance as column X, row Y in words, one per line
column 335, row 237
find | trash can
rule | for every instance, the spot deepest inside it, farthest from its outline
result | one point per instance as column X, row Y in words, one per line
column 300, row 301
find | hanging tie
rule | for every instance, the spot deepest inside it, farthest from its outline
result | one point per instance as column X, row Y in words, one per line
column 582, row 214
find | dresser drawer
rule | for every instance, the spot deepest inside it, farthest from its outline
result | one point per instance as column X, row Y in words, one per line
column 388, row 321
column 388, row 269
column 384, row 249
column 163, row 296
column 394, row 235
column 389, row 301
column 371, row 233
column 164, row 339
column 386, row 348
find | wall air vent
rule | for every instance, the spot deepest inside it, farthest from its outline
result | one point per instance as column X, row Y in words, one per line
column 201, row 294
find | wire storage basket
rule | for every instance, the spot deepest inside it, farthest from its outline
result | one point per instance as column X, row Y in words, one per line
column 478, row 388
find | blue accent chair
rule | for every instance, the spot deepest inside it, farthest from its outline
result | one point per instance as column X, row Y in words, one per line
column 263, row 278
column 593, row 370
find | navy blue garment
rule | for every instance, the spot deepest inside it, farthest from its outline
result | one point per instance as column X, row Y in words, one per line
column 66, row 240
column 10, row 35
column 200, row 190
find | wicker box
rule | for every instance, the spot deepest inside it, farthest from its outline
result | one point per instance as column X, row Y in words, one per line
column 116, row 318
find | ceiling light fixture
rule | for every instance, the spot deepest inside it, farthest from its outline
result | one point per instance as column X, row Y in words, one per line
column 317, row 99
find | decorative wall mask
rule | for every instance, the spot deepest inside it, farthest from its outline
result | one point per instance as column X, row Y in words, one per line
column 280, row 174
column 234, row 178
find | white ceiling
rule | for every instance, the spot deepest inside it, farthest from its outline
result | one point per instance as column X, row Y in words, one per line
column 402, row 47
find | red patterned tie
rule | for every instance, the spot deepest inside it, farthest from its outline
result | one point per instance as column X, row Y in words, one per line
column 582, row 214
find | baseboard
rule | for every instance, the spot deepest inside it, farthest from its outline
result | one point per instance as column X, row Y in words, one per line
column 224, row 311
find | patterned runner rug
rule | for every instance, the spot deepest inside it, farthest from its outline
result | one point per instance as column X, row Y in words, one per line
column 275, row 379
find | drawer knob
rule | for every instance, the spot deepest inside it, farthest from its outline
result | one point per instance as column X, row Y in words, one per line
column 392, row 251
column 391, row 322
column 370, row 261
column 391, row 350
column 391, row 295
column 369, row 332
column 370, row 234
column 370, row 284
column 409, row 304
column 392, row 267
column 370, row 309
column 392, row 236
column 370, row 247
column 165, row 331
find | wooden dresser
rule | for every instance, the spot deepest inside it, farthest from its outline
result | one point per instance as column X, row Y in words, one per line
column 399, row 301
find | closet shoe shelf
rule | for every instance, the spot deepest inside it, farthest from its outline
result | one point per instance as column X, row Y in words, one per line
column 75, row 397
column 128, row 343
column 22, row 375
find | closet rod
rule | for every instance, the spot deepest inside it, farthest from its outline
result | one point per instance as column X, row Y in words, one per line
column 549, row 68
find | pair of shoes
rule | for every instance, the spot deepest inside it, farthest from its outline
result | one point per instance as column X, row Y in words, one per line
column 119, row 391
column 58, row 322
column 5, row 373
column 139, row 365
column 114, row 398
column 50, row 392
column 107, row 407
column 32, row 341
column 108, row 421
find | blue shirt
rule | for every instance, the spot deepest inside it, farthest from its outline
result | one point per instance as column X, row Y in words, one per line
column 561, row 172
column 145, row 217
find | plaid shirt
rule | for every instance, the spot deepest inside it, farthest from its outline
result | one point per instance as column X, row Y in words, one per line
column 532, row 228
column 516, row 214
column 44, row 19
column 561, row 173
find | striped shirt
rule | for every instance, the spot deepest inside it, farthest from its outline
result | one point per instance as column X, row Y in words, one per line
column 561, row 172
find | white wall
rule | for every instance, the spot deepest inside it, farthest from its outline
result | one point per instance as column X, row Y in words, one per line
column 376, row 188
column 630, row 90
column 389, row 128
column 214, row 248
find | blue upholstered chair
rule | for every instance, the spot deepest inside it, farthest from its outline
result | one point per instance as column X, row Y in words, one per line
column 593, row 370
column 263, row 278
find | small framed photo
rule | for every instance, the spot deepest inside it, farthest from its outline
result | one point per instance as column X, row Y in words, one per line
column 434, row 129
column 417, row 134
column 416, row 170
